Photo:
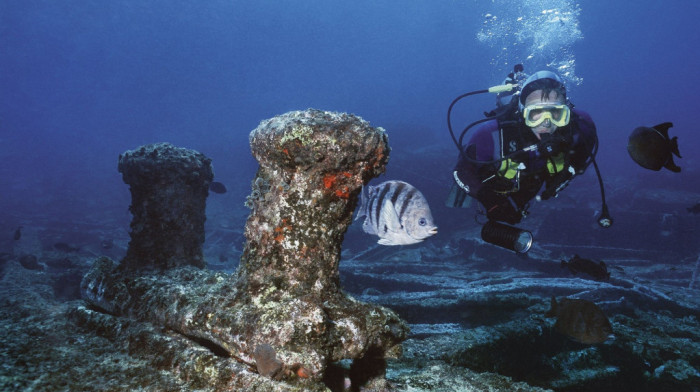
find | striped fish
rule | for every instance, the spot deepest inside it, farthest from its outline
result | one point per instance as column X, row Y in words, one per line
column 397, row 213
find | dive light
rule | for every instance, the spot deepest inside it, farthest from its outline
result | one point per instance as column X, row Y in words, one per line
column 508, row 237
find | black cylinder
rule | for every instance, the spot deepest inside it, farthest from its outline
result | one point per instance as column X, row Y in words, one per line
column 505, row 236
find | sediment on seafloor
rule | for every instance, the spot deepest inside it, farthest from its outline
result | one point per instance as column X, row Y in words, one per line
column 283, row 314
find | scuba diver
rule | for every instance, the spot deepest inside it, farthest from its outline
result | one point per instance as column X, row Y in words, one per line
column 536, row 140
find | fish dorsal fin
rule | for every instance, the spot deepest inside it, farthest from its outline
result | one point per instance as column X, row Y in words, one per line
column 389, row 216
column 663, row 128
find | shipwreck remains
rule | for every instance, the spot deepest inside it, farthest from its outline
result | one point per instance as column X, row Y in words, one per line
column 169, row 188
column 282, row 317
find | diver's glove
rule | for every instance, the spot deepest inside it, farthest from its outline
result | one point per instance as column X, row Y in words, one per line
column 499, row 207
column 557, row 183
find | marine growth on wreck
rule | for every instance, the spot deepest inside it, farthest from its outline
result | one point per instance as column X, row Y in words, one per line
column 169, row 188
column 282, row 314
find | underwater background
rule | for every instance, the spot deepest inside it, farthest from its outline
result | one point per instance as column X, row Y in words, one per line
column 82, row 82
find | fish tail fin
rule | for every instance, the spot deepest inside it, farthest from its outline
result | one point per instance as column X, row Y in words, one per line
column 673, row 143
column 674, row 147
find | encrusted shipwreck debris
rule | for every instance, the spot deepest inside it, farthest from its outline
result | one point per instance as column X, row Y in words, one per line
column 169, row 188
column 283, row 314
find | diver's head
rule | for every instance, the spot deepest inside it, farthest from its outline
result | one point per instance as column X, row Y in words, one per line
column 543, row 103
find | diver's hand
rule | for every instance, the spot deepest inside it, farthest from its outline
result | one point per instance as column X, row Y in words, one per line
column 499, row 208
column 552, row 144
column 558, row 183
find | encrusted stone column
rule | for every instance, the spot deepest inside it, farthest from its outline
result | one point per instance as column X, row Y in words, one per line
column 169, row 188
column 282, row 314
column 312, row 167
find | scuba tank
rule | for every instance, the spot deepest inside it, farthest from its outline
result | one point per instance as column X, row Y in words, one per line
column 517, row 77
column 507, row 95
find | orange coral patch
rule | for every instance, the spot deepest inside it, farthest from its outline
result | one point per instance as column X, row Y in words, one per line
column 344, row 193
column 303, row 373
column 329, row 180
column 281, row 229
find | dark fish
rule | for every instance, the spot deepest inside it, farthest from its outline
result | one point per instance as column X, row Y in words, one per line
column 266, row 361
column 694, row 209
column 652, row 149
column 217, row 187
column 18, row 233
column 30, row 262
column 396, row 212
column 599, row 271
column 581, row 320
column 63, row 247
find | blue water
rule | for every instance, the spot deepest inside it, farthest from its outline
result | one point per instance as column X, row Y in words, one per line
column 81, row 82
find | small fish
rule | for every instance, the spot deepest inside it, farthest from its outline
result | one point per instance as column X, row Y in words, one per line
column 217, row 187
column 267, row 363
column 581, row 320
column 652, row 149
column 397, row 213
column 63, row 247
column 694, row 209
column 599, row 271
column 18, row 233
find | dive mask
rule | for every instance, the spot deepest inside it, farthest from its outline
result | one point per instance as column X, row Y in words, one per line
column 536, row 114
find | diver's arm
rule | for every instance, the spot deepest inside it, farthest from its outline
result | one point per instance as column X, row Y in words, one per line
column 579, row 158
column 478, row 180
column 468, row 174
column 499, row 207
